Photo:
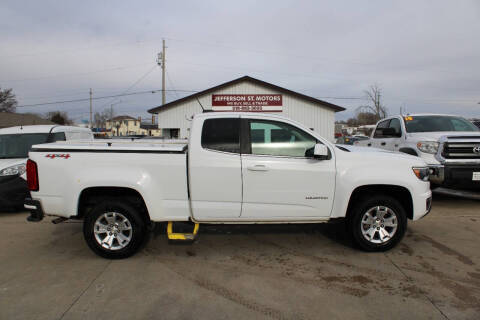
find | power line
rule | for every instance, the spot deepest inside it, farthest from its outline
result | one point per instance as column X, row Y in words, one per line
column 77, row 74
column 343, row 98
column 172, row 85
column 75, row 50
column 133, row 85
column 99, row 98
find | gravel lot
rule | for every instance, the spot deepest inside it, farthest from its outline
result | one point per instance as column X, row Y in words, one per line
column 246, row 272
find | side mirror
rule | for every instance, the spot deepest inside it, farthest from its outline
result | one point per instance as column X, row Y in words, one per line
column 320, row 152
column 390, row 133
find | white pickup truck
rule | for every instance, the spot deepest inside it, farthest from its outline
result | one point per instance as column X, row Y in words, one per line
column 14, row 145
column 237, row 168
column 450, row 145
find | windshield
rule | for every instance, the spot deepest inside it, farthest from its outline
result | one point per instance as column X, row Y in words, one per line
column 17, row 145
column 437, row 123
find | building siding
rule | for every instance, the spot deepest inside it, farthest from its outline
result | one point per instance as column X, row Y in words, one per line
column 312, row 115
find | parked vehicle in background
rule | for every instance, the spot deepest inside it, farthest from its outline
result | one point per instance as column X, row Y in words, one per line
column 350, row 140
column 15, row 142
column 236, row 168
column 450, row 145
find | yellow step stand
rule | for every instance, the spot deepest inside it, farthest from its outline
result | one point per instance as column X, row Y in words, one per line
column 182, row 236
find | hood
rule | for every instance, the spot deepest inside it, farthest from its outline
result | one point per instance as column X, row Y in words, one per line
column 5, row 163
column 362, row 149
column 435, row 136
column 374, row 154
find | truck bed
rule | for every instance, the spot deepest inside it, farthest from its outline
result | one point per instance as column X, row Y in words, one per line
column 155, row 169
column 160, row 146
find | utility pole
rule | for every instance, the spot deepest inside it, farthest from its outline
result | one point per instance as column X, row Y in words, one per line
column 163, row 73
column 161, row 63
column 91, row 123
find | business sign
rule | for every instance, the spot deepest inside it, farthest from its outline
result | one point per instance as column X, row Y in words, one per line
column 247, row 102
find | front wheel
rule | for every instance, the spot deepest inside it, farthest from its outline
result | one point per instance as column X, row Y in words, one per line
column 114, row 229
column 377, row 223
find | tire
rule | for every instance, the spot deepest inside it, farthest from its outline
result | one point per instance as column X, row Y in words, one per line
column 114, row 229
column 372, row 218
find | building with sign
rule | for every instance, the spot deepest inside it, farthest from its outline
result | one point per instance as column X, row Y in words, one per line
column 247, row 94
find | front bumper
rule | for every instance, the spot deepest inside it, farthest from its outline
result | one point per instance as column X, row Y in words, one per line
column 455, row 176
column 36, row 210
column 422, row 205
column 13, row 191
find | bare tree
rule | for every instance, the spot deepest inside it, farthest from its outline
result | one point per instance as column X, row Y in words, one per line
column 8, row 102
column 100, row 119
column 59, row 117
column 375, row 106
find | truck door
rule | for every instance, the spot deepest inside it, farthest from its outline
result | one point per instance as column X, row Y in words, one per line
column 379, row 140
column 393, row 142
column 215, row 176
column 281, row 179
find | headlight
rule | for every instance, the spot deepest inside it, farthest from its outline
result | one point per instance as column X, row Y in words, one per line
column 428, row 146
column 18, row 169
column 422, row 173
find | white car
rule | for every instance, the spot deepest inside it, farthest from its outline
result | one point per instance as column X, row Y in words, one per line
column 237, row 168
column 450, row 145
column 14, row 145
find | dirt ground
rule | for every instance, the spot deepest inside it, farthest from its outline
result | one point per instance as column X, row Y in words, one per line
column 247, row 272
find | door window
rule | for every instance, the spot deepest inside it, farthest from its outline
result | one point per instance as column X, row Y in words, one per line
column 221, row 134
column 379, row 130
column 279, row 139
column 395, row 124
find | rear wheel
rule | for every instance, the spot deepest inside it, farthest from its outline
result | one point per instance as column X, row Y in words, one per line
column 377, row 223
column 114, row 229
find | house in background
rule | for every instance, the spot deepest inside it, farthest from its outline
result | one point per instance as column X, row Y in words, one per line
column 129, row 126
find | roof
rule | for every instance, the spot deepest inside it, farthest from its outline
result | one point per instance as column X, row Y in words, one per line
column 8, row 119
column 424, row 115
column 124, row 117
column 41, row 129
column 250, row 79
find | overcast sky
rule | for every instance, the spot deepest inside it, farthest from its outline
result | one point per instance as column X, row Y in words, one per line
column 425, row 55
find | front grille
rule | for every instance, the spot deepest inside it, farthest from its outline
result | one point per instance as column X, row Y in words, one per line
column 461, row 150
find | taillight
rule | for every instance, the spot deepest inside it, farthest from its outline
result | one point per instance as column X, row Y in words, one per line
column 32, row 175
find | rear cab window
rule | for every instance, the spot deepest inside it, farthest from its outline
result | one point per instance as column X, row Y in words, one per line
column 221, row 134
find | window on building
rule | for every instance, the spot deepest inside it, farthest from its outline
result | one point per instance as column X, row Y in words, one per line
column 279, row 139
column 175, row 133
column 221, row 134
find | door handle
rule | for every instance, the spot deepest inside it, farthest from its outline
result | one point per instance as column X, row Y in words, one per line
column 258, row 167
column 383, row 143
column 369, row 144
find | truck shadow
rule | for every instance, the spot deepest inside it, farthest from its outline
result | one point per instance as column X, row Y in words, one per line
column 336, row 232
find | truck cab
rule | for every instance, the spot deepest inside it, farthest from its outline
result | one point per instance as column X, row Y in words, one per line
column 15, row 142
